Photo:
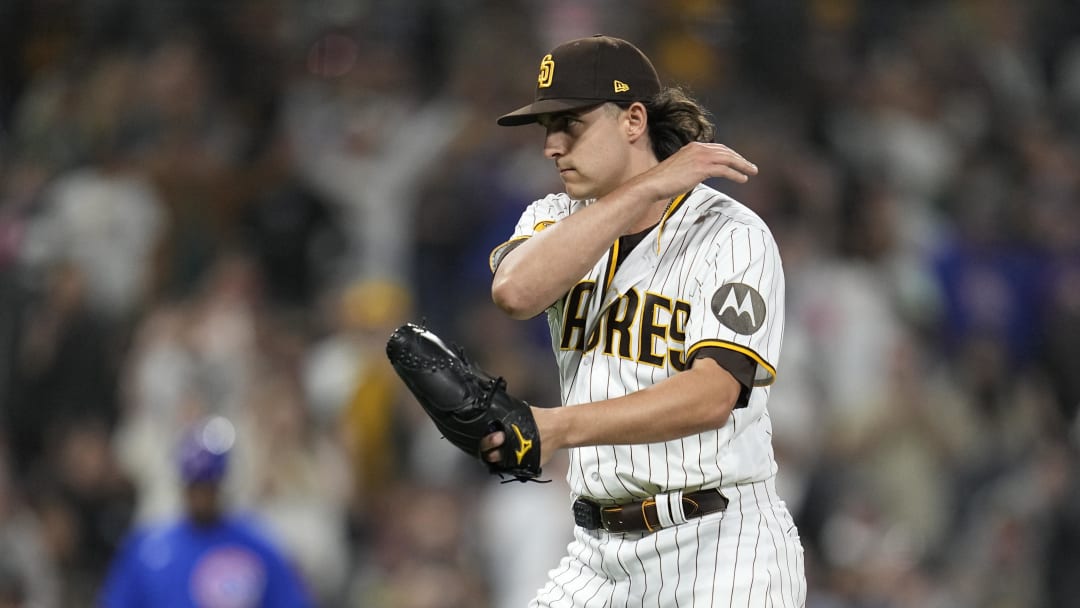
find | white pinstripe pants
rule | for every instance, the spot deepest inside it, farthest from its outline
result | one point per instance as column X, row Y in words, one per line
column 749, row 555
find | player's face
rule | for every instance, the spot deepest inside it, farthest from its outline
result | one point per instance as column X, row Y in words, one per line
column 203, row 502
column 589, row 149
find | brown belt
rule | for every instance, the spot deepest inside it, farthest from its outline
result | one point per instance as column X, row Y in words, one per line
column 650, row 514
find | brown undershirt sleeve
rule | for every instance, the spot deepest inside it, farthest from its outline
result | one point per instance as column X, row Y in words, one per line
column 737, row 364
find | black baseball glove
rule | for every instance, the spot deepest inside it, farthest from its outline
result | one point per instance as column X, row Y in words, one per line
column 465, row 402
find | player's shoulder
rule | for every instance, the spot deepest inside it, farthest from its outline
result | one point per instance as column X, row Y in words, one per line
column 147, row 540
column 717, row 211
column 155, row 530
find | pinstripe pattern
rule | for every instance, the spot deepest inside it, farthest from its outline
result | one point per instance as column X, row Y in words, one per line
column 709, row 276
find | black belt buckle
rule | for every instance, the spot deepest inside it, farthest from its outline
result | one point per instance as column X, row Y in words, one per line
column 587, row 514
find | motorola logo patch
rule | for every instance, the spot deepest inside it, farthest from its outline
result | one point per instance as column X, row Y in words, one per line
column 739, row 308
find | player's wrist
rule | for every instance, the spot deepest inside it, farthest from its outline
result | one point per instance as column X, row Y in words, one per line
column 640, row 193
column 553, row 426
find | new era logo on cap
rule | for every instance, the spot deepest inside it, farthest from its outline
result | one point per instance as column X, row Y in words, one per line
column 585, row 72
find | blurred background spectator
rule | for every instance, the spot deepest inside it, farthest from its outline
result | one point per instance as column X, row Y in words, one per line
column 224, row 208
column 209, row 554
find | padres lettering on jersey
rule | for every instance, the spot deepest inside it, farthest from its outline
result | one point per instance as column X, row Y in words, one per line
column 709, row 275
column 647, row 328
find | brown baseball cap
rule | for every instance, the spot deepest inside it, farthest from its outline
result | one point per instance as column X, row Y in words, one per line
column 585, row 72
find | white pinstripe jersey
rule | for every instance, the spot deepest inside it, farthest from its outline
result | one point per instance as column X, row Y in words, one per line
column 708, row 275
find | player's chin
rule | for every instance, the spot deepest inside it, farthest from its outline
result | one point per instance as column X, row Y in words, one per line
column 577, row 190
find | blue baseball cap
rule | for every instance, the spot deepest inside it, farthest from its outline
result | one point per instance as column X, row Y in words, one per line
column 204, row 449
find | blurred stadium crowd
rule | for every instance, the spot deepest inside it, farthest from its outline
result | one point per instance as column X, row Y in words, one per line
column 225, row 208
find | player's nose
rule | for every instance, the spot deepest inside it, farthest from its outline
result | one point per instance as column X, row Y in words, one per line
column 554, row 144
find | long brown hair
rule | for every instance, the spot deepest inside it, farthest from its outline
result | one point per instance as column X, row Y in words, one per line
column 675, row 119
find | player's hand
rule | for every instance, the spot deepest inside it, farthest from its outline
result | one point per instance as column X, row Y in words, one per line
column 692, row 164
column 491, row 444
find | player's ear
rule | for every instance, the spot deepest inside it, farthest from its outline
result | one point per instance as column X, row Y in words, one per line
column 636, row 121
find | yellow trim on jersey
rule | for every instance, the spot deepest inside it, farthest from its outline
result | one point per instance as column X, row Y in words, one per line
column 670, row 210
column 613, row 263
column 739, row 348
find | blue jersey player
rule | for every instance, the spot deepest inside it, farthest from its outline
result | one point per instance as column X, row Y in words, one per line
column 206, row 558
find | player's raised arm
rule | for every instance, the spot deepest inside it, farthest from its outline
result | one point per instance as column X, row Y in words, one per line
column 540, row 269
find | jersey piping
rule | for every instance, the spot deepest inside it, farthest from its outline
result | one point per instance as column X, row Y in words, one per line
column 612, row 266
column 675, row 204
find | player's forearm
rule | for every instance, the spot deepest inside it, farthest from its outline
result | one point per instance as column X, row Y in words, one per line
column 543, row 268
column 688, row 403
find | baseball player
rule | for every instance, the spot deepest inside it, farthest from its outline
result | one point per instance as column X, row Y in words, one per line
column 665, row 300
column 208, row 558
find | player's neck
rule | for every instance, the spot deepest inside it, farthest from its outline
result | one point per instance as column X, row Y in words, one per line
column 650, row 218
column 640, row 163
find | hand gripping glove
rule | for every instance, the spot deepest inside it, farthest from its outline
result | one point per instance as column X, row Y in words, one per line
column 465, row 402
